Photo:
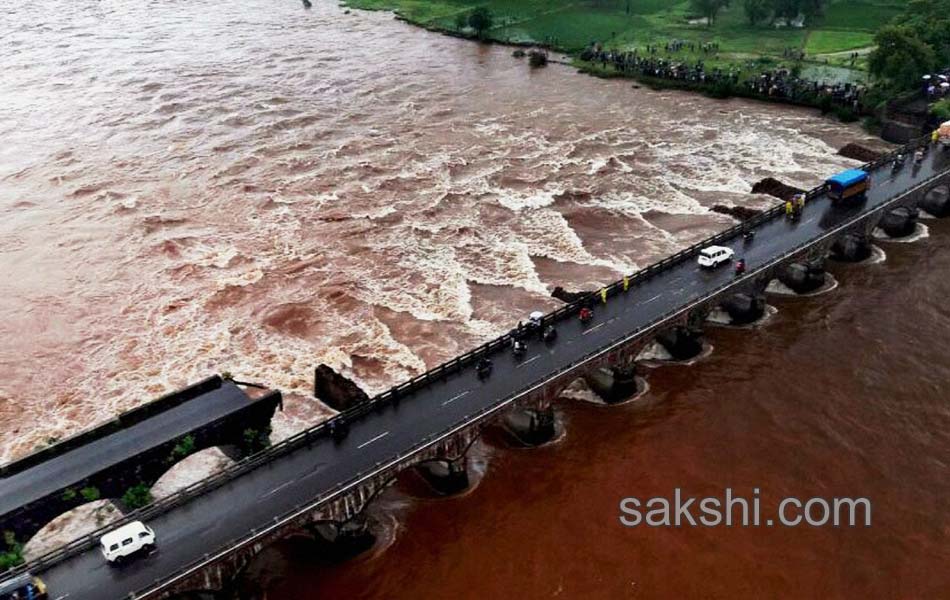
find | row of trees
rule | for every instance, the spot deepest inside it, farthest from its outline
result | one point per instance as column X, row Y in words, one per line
column 917, row 42
column 758, row 11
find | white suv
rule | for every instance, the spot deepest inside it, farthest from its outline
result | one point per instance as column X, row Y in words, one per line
column 127, row 540
column 713, row 256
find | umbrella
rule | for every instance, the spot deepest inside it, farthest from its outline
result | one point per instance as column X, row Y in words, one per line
column 926, row 77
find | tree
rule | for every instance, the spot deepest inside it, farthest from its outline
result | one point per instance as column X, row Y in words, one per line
column 757, row 10
column 708, row 8
column 901, row 57
column 480, row 20
column 137, row 496
column 786, row 9
column 461, row 21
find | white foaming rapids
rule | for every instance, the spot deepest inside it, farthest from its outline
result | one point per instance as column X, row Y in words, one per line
column 921, row 232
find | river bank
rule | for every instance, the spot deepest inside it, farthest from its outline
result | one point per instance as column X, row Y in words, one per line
column 662, row 46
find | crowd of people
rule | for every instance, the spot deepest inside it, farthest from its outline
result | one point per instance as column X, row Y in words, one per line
column 778, row 83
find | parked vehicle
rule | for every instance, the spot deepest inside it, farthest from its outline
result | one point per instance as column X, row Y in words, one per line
column 850, row 184
column 23, row 587
column 713, row 256
column 124, row 542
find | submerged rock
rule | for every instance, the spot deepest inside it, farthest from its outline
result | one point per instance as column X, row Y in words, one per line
column 335, row 390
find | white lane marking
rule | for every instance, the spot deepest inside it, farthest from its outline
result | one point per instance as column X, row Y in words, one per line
column 652, row 299
column 278, row 488
column 454, row 398
column 368, row 442
column 595, row 328
column 530, row 360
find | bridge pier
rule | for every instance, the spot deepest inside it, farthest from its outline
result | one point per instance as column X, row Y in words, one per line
column 851, row 248
column 937, row 201
column 533, row 426
column 446, row 477
column 803, row 277
column 343, row 540
column 745, row 308
column 614, row 384
column 899, row 222
column 682, row 342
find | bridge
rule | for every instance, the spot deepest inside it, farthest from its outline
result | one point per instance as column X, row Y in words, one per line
column 136, row 447
column 209, row 532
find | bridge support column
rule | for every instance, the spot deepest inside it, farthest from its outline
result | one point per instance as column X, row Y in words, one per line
column 852, row 248
column 803, row 277
column 937, row 201
column 532, row 426
column 745, row 308
column 341, row 541
column 614, row 384
column 683, row 343
column 899, row 222
column 446, row 477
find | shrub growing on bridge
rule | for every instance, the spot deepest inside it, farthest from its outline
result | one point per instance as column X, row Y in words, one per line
column 137, row 496
column 90, row 493
column 13, row 555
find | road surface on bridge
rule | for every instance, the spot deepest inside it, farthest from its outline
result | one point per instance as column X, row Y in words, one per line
column 252, row 500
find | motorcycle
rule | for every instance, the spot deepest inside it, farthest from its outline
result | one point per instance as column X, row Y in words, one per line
column 519, row 349
column 339, row 429
column 483, row 368
column 549, row 335
column 586, row 315
column 748, row 236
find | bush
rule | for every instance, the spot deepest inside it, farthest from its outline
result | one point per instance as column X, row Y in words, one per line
column 69, row 495
column 183, row 448
column 941, row 109
column 13, row 555
column 90, row 493
column 137, row 496
column 255, row 441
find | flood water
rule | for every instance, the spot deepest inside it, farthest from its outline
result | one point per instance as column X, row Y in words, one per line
column 189, row 188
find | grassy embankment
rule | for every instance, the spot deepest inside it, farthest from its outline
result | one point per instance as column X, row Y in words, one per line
column 570, row 25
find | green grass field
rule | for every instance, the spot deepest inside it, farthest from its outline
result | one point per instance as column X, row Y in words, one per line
column 570, row 25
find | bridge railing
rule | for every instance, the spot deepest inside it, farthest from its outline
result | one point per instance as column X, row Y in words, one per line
column 321, row 430
column 483, row 413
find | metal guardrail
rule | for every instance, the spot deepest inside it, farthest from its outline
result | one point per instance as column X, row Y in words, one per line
column 467, row 420
column 397, row 392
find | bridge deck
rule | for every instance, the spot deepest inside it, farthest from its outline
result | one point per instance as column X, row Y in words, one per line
column 254, row 499
column 64, row 470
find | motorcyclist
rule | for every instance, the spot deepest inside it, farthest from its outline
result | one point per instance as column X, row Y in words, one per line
column 748, row 235
column 519, row 348
column 586, row 314
column 740, row 266
column 549, row 333
column 483, row 367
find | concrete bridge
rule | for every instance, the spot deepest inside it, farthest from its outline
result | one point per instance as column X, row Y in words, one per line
column 136, row 447
column 323, row 479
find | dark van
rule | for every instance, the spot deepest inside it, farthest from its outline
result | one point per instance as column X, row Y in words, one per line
column 23, row 587
column 853, row 183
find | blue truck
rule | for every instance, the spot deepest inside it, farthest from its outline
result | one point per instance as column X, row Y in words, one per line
column 853, row 183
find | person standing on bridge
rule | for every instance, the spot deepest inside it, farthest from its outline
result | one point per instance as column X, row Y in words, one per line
column 603, row 295
column 788, row 208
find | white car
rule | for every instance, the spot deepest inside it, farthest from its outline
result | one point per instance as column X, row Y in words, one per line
column 127, row 540
column 713, row 256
